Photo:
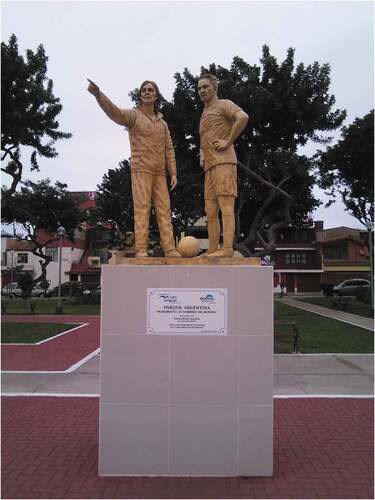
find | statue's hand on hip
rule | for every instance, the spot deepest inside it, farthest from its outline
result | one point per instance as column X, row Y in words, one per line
column 221, row 144
column 93, row 88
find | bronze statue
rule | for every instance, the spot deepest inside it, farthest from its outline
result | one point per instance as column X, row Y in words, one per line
column 151, row 153
column 221, row 123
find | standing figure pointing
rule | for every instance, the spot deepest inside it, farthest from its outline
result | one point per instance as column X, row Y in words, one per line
column 151, row 153
column 221, row 123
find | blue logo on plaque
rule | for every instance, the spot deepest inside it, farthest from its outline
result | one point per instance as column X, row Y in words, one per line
column 207, row 298
column 168, row 298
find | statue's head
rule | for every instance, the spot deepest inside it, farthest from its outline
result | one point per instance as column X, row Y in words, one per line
column 207, row 86
column 149, row 92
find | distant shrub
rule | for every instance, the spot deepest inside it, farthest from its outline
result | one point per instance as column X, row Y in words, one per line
column 327, row 289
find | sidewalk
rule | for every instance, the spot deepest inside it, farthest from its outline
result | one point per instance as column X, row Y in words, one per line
column 352, row 319
column 294, row 375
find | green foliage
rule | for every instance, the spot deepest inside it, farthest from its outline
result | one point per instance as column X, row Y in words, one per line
column 287, row 106
column 347, row 169
column 29, row 110
column 114, row 201
column 40, row 208
column 25, row 282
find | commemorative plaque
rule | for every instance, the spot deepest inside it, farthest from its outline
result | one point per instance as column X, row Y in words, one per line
column 188, row 311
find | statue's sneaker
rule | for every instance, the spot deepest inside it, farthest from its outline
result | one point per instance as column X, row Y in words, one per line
column 221, row 253
column 205, row 254
column 141, row 253
column 173, row 253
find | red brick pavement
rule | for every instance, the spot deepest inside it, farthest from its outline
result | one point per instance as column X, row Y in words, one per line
column 57, row 354
column 323, row 449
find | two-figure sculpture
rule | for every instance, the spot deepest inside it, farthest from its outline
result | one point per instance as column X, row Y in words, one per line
column 152, row 154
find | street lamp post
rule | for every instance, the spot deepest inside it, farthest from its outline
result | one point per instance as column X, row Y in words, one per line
column 11, row 270
column 61, row 233
column 370, row 229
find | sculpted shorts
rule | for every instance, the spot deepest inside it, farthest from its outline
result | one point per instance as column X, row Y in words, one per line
column 220, row 180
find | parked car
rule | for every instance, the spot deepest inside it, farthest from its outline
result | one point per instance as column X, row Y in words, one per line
column 68, row 289
column 93, row 291
column 38, row 291
column 11, row 290
column 351, row 287
column 92, row 296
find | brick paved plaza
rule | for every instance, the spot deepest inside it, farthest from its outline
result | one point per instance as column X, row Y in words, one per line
column 323, row 449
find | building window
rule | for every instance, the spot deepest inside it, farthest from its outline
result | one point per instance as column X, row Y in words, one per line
column 4, row 259
column 22, row 258
column 295, row 258
column 53, row 253
column 103, row 255
column 338, row 251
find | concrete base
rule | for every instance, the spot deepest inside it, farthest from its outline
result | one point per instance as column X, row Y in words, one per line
column 195, row 405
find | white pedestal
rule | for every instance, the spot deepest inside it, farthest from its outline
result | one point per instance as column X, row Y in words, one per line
column 195, row 405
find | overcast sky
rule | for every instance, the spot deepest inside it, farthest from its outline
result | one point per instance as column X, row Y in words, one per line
column 119, row 44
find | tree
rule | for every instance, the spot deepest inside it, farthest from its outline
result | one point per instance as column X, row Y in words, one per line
column 114, row 201
column 287, row 106
column 347, row 169
column 29, row 112
column 25, row 282
column 40, row 208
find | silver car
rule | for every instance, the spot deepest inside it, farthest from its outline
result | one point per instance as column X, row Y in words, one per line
column 351, row 287
column 11, row 290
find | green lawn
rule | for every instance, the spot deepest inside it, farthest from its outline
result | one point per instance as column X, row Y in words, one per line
column 47, row 306
column 30, row 333
column 317, row 334
column 354, row 307
column 322, row 335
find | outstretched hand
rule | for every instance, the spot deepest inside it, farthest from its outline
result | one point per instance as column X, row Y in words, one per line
column 93, row 88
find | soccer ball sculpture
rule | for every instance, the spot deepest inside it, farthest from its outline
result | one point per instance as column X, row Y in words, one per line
column 188, row 247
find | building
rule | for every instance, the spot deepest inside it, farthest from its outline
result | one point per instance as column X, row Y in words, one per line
column 16, row 258
column 345, row 254
column 80, row 259
column 297, row 258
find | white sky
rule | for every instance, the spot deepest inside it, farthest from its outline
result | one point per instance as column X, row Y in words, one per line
column 119, row 44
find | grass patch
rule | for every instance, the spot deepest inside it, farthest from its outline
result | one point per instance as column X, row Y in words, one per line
column 354, row 307
column 47, row 306
column 322, row 335
column 30, row 333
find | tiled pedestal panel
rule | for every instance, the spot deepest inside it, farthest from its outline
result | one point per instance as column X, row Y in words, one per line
column 186, row 404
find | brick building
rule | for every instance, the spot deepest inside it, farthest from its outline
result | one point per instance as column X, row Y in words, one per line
column 345, row 254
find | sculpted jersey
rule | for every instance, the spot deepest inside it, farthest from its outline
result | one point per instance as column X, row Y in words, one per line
column 215, row 124
column 150, row 141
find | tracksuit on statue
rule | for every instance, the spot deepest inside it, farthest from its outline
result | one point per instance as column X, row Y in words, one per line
column 151, row 153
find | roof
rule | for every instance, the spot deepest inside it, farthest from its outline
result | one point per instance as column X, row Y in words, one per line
column 83, row 267
column 20, row 245
column 340, row 232
column 351, row 237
